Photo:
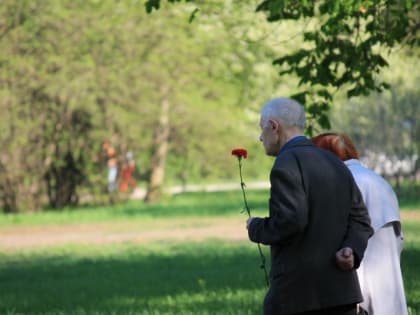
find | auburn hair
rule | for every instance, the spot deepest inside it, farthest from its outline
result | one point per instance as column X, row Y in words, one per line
column 339, row 144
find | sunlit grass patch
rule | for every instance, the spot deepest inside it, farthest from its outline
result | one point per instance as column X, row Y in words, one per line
column 153, row 279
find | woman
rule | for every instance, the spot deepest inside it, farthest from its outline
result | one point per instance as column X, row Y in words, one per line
column 380, row 272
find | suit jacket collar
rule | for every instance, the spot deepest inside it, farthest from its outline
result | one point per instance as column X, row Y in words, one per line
column 295, row 142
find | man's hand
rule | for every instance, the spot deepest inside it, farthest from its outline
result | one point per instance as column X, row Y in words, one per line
column 345, row 258
column 248, row 222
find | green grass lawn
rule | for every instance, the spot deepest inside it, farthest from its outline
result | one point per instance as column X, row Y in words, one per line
column 200, row 204
column 165, row 277
column 195, row 278
column 410, row 265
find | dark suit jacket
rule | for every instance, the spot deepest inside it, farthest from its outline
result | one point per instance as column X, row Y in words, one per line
column 315, row 209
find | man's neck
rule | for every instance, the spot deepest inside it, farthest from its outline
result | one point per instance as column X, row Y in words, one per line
column 291, row 133
column 288, row 135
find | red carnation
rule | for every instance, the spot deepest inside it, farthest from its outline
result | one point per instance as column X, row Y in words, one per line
column 240, row 153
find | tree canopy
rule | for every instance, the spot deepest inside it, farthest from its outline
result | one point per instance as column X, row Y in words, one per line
column 74, row 74
column 178, row 88
column 345, row 45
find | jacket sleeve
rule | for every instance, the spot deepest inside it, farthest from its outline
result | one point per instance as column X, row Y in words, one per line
column 288, row 211
column 359, row 229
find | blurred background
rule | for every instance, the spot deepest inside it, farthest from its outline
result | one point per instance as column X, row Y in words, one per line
column 118, row 190
column 99, row 98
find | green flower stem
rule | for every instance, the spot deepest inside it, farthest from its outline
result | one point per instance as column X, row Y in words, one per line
column 248, row 210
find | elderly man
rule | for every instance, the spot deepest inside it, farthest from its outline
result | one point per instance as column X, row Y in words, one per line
column 318, row 226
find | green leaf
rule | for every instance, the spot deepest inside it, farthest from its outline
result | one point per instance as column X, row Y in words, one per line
column 152, row 4
column 300, row 97
column 193, row 14
column 324, row 121
column 325, row 94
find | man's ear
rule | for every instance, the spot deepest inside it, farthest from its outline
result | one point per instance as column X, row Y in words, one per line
column 275, row 125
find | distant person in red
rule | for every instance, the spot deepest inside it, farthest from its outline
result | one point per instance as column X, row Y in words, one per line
column 112, row 163
column 127, row 181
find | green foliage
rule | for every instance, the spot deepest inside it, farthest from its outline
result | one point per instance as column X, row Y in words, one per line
column 386, row 122
column 74, row 74
column 408, row 194
column 345, row 46
column 155, row 4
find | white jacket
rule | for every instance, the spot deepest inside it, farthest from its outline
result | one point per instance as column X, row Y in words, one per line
column 380, row 272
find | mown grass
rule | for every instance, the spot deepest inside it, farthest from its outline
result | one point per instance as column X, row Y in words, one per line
column 199, row 204
column 165, row 277
column 410, row 265
column 194, row 278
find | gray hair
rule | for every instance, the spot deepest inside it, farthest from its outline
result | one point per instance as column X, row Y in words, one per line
column 287, row 111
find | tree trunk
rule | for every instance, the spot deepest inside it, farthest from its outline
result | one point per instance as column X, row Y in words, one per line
column 62, row 182
column 8, row 197
column 156, row 172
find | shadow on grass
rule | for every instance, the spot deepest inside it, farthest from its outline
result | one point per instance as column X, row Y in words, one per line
column 192, row 280
column 208, row 278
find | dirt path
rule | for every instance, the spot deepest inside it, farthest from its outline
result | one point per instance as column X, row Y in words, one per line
column 196, row 229
column 14, row 238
